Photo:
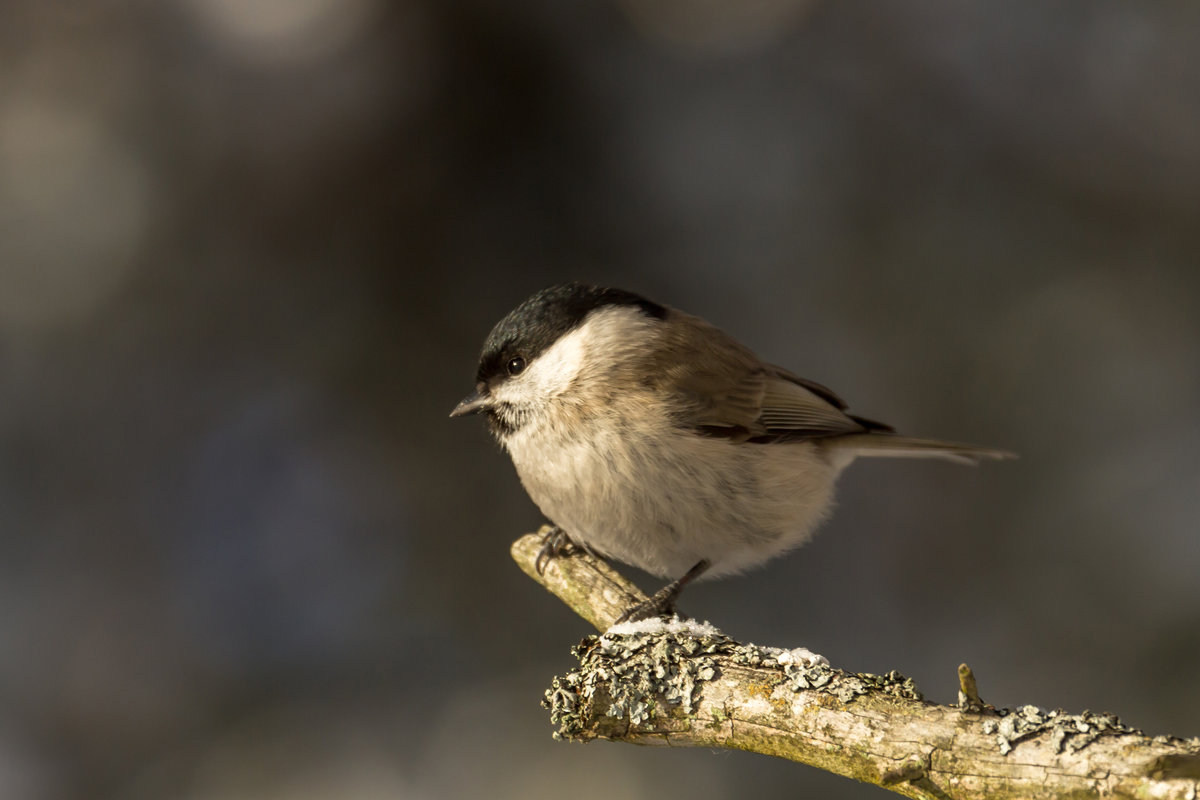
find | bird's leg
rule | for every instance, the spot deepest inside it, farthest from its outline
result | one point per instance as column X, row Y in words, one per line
column 662, row 604
column 555, row 543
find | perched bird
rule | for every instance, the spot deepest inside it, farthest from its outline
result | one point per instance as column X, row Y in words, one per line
column 647, row 435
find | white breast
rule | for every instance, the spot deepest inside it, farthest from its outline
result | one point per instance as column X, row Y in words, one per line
column 664, row 504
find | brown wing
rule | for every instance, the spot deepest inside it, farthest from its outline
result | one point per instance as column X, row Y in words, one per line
column 728, row 391
column 794, row 410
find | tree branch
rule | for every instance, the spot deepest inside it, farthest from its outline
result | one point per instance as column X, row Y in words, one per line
column 687, row 684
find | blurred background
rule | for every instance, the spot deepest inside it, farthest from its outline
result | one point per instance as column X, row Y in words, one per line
column 249, row 250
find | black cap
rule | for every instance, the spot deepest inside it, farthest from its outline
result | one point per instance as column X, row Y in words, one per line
column 532, row 327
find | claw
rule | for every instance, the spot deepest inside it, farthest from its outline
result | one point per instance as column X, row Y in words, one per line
column 555, row 543
column 662, row 604
column 656, row 606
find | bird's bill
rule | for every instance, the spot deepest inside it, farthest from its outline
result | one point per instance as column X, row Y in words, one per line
column 473, row 403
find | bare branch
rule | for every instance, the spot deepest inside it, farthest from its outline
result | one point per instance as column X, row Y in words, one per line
column 689, row 685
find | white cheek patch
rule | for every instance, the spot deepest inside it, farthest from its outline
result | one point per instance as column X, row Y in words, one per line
column 550, row 374
column 553, row 371
column 605, row 333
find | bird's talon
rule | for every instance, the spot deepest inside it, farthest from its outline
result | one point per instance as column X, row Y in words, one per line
column 662, row 604
column 655, row 606
column 555, row 543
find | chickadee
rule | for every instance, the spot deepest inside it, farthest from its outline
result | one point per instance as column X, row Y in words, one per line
column 647, row 435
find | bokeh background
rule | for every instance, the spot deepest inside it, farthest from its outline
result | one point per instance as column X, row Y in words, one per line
column 249, row 250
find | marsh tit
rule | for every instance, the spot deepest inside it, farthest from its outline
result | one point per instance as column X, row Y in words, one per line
column 649, row 436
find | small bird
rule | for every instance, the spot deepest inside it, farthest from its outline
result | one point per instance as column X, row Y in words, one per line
column 649, row 436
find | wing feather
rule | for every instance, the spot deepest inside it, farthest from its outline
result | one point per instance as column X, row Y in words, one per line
column 794, row 409
column 728, row 391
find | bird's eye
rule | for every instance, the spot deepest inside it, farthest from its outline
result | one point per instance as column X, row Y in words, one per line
column 516, row 366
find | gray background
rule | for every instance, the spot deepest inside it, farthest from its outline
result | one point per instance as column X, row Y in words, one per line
column 249, row 250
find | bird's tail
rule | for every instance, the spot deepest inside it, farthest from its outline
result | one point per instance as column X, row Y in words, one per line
column 847, row 448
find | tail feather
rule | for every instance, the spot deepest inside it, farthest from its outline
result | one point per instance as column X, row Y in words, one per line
column 891, row 446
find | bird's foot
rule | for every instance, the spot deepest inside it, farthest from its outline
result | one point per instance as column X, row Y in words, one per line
column 555, row 543
column 662, row 603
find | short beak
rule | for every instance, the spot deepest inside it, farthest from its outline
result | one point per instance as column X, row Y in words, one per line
column 473, row 403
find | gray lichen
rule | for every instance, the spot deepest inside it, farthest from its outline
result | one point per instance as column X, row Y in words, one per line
column 1068, row 732
column 634, row 672
column 848, row 685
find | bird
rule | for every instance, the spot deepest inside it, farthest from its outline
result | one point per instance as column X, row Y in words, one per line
column 650, row 436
